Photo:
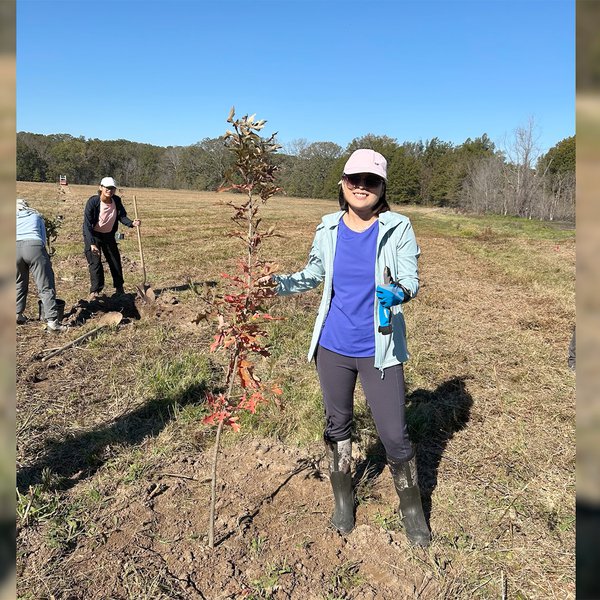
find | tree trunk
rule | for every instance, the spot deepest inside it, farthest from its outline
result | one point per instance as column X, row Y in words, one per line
column 213, row 489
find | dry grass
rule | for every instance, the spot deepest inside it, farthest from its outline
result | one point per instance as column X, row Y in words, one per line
column 490, row 399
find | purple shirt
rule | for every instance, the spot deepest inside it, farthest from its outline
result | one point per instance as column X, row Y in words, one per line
column 349, row 327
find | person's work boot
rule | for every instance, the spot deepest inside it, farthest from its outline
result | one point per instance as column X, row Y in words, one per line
column 340, row 455
column 55, row 327
column 21, row 318
column 406, row 483
column 119, row 291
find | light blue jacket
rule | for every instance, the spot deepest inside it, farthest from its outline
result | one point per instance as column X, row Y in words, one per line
column 30, row 226
column 396, row 248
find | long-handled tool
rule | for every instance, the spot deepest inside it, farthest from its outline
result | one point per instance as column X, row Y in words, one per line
column 144, row 292
column 385, row 314
column 108, row 319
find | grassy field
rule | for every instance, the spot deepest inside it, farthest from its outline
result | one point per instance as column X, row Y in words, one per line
column 113, row 460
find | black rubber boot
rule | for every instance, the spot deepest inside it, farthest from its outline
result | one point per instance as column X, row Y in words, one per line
column 406, row 483
column 341, row 483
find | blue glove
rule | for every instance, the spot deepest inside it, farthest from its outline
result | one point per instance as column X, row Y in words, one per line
column 390, row 295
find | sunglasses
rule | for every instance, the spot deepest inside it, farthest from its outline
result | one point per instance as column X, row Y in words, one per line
column 109, row 188
column 365, row 180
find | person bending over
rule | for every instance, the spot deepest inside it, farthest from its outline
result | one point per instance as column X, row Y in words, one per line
column 32, row 257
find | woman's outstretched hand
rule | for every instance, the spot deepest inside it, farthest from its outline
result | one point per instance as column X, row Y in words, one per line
column 268, row 282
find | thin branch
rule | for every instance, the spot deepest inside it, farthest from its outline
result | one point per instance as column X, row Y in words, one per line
column 213, row 489
column 181, row 476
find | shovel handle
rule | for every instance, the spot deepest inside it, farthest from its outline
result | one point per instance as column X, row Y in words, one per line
column 81, row 337
column 139, row 238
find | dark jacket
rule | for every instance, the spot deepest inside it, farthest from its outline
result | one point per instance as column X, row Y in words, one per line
column 92, row 213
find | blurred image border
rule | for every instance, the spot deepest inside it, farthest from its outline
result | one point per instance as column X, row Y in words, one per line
column 588, row 295
column 7, row 292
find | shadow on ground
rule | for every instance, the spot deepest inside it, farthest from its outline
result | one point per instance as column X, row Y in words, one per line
column 195, row 286
column 433, row 417
column 84, row 310
column 77, row 457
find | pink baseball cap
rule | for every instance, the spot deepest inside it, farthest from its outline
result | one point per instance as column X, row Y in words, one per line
column 366, row 161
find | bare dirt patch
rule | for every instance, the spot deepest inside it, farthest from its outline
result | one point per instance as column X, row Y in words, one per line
column 272, row 539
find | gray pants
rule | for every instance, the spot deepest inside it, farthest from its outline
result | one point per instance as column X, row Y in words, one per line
column 572, row 351
column 385, row 397
column 33, row 257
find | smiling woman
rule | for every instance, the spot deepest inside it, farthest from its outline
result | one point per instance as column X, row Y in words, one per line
column 367, row 257
column 362, row 194
column 101, row 218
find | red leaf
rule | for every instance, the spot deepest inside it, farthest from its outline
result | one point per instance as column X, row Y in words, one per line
column 218, row 341
column 218, row 416
column 228, row 342
column 248, row 379
column 247, row 404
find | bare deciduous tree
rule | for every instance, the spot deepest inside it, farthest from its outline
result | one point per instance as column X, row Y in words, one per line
column 295, row 147
column 520, row 175
column 482, row 188
column 172, row 164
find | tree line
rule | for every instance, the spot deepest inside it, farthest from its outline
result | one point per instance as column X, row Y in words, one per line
column 474, row 176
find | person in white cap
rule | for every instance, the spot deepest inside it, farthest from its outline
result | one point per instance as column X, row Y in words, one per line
column 102, row 215
column 366, row 255
column 32, row 257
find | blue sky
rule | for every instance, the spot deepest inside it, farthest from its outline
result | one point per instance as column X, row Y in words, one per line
column 166, row 72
